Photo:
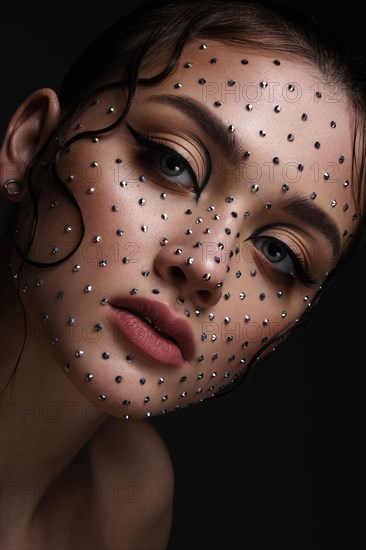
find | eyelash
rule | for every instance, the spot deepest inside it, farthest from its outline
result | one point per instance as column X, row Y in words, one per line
column 301, row 269
column 157, row 145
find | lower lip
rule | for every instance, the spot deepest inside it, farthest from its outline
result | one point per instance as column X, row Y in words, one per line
column 146, row 339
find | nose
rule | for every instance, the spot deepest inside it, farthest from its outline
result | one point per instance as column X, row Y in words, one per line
column 197, row 271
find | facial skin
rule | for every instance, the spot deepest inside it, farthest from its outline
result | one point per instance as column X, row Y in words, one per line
column 143, row 223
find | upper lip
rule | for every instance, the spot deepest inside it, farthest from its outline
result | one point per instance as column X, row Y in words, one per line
column 163, row 318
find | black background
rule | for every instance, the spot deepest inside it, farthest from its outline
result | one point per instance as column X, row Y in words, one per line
column 280, row 462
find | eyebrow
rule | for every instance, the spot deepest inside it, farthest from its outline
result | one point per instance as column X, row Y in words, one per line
column 299, row 206
column 209, row 122
column 312, row 215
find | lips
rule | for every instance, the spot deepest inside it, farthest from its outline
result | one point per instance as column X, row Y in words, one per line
column 153, row 328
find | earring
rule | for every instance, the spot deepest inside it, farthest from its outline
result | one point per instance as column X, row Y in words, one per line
column 14, row 186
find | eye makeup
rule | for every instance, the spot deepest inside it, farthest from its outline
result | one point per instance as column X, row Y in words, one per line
column 156, row 145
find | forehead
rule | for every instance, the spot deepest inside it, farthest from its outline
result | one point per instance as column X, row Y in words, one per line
column 297, row 126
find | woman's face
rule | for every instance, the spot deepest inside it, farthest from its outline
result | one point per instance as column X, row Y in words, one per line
column 212, row 214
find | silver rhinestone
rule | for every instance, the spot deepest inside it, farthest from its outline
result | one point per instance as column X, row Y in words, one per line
column 89, row 377
column 144, row 228
column 207, row 277
column 164, row 216
column 103, row 263
column 97, row 239
column 90, row 190
column 76, row 268
column 88, row 288
column 249, row 107
column 333, row 203
column 231, row 128
column 277, row 109
column 189, row 261
column 79, row 353
column 254, row 188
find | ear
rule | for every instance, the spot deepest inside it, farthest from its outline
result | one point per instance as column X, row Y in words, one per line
column 28, row 129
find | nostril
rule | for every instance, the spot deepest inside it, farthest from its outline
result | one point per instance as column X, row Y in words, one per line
column 177, row 274
column 205, row 295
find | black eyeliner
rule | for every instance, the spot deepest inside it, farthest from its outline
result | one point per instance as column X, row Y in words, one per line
column 300, row 267
column 159, row 146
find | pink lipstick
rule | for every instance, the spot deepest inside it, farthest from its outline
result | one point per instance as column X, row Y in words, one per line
column 154, row 329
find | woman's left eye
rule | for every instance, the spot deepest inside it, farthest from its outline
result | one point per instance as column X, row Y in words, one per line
column 283, row 259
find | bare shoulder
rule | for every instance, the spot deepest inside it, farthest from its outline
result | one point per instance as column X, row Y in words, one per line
column 133, row 475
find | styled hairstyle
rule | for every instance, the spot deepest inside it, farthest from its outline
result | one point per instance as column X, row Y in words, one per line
column 160, row 30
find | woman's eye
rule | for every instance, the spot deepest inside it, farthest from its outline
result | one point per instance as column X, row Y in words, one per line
column 174, row 166
column 284, row 259
column 166, row 161
column 275, row 252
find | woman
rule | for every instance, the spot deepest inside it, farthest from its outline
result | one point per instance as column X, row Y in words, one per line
column 179, row 207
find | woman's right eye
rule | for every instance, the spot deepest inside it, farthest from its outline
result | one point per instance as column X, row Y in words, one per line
column 176, row 170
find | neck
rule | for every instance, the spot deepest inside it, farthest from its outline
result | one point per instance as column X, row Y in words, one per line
column 45, row 421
